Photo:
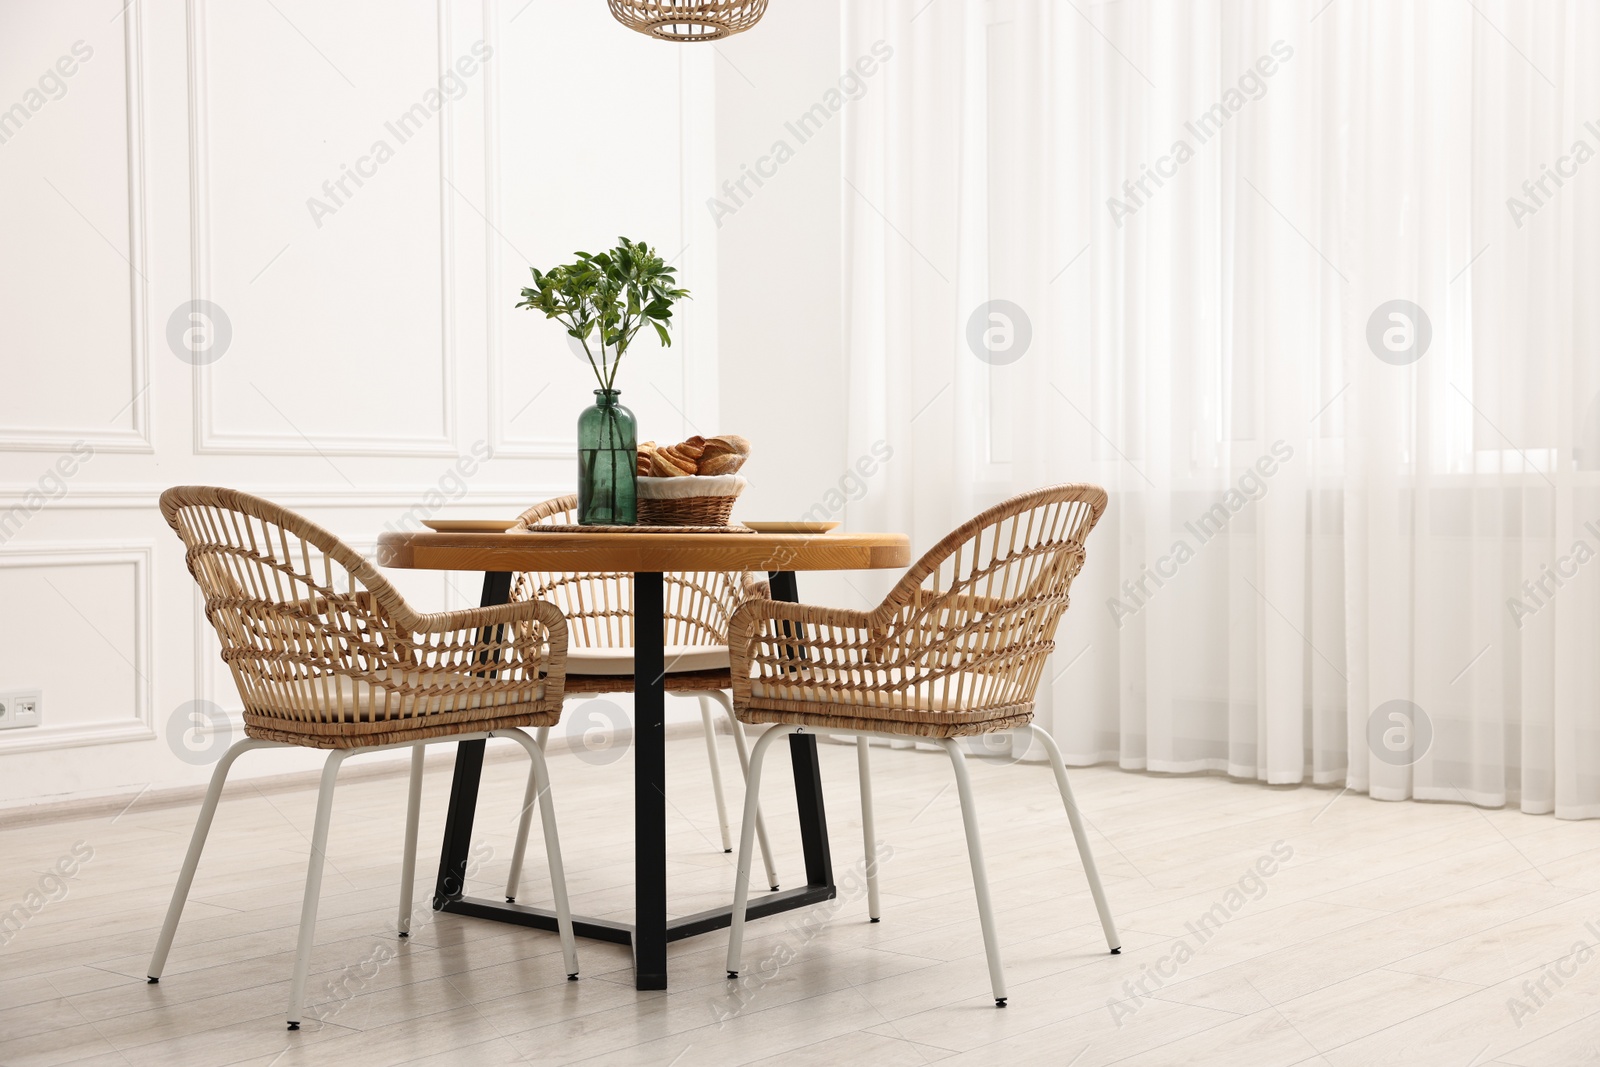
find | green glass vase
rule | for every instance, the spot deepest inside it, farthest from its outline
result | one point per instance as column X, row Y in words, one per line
column 608, row 449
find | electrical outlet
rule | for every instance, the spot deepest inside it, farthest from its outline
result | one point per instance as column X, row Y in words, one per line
column 21, row 709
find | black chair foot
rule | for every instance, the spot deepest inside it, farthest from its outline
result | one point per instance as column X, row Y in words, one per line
column 404, row 934
column 728, row 851
column 573, row 977
column 1000, row 1002
column 511, row 900
column 874, row 920
column 774, row 889
column 733, row 974
column 294, row 1026
column 1117, row 951
column 152, row 981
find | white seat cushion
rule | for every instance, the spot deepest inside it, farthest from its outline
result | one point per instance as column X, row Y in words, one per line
column 619, row 661
column 939, row 696
column 938, row 708
column 456, row 691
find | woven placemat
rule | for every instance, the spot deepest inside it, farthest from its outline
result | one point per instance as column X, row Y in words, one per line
column 561, row 528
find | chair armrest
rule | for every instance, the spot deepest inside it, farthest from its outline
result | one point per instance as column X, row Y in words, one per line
column 773, row 640
column 528, row 637
column 756, row 618
column 540, row 611
column 920, row 655
column 755, row 586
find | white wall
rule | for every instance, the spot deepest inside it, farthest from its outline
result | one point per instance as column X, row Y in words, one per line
column 373, row 340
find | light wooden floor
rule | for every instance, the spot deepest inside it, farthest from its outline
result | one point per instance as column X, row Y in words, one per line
column 1394, row 934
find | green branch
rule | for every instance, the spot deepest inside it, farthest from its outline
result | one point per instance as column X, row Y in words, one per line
column 628, row 286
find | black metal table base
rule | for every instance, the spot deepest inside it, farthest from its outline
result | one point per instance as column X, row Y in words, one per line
column 651, row 930
column 623, row 933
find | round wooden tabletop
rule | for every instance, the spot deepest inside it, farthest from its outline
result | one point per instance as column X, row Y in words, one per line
column 520, row 550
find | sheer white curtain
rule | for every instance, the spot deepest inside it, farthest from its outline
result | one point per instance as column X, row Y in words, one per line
column 1328, row 557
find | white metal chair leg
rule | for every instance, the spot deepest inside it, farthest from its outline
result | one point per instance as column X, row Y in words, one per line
column 530, row 800
column 308, row 907
column 1113, row 941
column 408, row 863
column 552, row 846
column 197, row 844
column 747, row 827
column 541, row 737
column 740, row 743
column 980, row 876
column 869, row 834
column 716, row 769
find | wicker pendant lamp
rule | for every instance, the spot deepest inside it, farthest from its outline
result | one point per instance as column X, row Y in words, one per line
column 688, row 20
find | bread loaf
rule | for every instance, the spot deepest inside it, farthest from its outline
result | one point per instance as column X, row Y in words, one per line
column 726, row 463
column 726, row 444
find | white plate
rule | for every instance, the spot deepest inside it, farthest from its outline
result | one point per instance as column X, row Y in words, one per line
column 791, row 527
column 469, row 525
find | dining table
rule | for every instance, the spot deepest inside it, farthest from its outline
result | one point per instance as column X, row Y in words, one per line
column 648, row 555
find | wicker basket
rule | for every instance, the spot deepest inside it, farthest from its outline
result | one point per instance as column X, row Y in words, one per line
column 695, row 500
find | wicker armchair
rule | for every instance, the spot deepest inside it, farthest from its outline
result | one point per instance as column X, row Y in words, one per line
column 955, row 650
column 326, row 654
column 599, row 610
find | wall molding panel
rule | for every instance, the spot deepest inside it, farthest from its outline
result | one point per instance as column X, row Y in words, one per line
column 104, row 438
column 114, row 729
column 208, row 439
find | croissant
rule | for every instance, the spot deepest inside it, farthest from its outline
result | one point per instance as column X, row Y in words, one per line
column 663, row 464
column 682, row 457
